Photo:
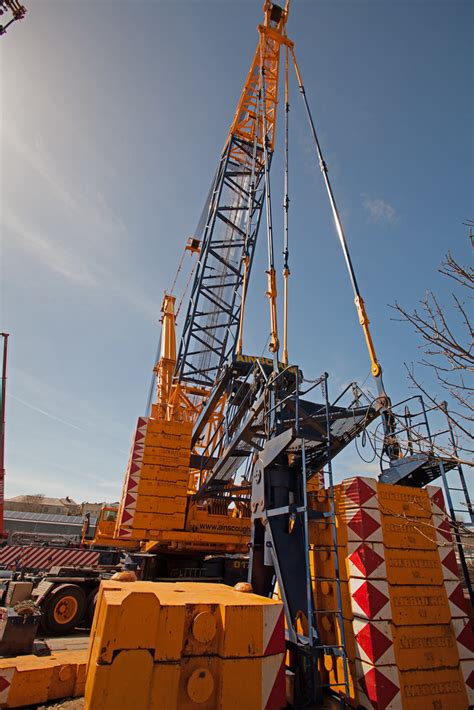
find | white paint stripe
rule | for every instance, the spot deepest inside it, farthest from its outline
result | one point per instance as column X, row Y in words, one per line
column 270, row 668
column 61, row 557
column 46, row 557
column 467, row 668
column 271, row 615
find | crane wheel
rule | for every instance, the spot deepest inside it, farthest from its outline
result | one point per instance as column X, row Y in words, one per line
column 63, row 609
column 90, row 610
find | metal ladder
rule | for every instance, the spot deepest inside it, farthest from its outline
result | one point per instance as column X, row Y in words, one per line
column 421, row 439
column 452, row 489
column 336, row 650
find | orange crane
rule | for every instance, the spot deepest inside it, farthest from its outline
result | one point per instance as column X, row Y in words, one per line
column 188, row 483
column 226, row 460
column 158, row 510
column 17, row 10
column 181, row 492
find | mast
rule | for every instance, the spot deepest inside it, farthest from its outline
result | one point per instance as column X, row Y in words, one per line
column 214, row 318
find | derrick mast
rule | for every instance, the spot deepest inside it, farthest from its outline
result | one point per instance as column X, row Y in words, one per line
column 155, row 493
column 211, row 327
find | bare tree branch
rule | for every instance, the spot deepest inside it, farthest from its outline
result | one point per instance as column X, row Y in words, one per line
column 461, row 274
column 447, row 344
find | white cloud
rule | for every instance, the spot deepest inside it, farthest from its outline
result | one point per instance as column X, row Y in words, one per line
column 379, row 211
column 78, row 265
column 46, row 414
column 31, row 475
column 35, row 390
column 81, row 237
column 53, row 255
column 57, row 185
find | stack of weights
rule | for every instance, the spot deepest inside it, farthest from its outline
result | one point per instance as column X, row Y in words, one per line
column 156, row 484
column 187, row 646
column 408, row 639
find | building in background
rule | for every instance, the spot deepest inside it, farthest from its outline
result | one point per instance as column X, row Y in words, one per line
column 25, row 528
column 38, row 503
column 94, row 508
column 37, row 519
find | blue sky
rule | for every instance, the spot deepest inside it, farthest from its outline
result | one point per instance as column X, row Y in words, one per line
column 112, row 120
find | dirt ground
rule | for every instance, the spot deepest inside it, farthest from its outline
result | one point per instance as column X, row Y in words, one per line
column 73, row 704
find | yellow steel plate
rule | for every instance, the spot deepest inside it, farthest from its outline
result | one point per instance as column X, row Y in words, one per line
column 403, row 500
column 160, row 504
column 413, row 566
column 162, row 616
column 408, row 534
column 425, row 647
column 419, row 605
column 440, row 689
column 30, row 680
column 160, row 487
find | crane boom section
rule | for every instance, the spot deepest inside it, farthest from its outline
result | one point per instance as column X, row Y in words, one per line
column 165, row 366
column 155, row 493
column 211, row 327
column 247, row 123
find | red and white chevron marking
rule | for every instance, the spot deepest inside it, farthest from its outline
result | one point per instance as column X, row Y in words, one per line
column 454, row 588
column 132, row 479
column 366, row 559
column 467, row 668
column 370, row 599
column 273, row 629
column 379, row 688
column 6, row 675
column 464, row 637
column 449, row 563
column 456, row 599
column 374, row 642
column 273, row 682
column 442, row 530
column 364, row 524
column 360, row 492
column 43, row 558
column 465, row 644
column 436, row 497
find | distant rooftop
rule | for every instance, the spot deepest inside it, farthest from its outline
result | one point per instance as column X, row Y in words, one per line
column 42, row 500
column 46, row 517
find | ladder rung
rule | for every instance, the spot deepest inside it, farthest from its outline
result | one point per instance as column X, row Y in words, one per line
column 327, row 611
column 330, row 647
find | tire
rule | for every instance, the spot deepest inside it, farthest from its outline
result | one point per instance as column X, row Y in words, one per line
column 63, row 609
column 90, row 610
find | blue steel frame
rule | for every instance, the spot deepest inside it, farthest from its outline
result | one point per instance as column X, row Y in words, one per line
column 210, row 330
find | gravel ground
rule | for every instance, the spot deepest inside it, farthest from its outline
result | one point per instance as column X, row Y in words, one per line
column 73, row 704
